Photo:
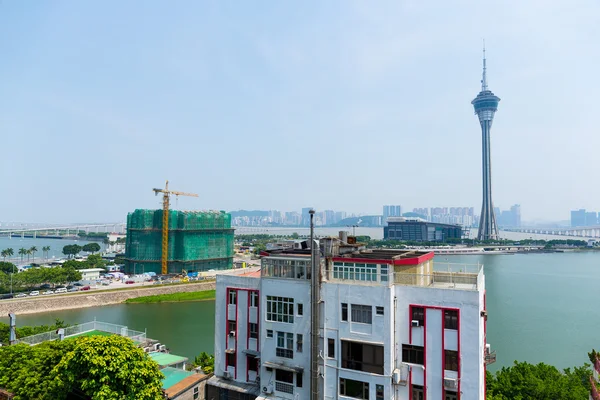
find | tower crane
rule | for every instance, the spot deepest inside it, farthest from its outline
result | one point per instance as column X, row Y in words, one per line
column 165, row 222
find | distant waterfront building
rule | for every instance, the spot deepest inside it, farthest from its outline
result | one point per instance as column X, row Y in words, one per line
column 578, row 217
column 306, row 216
column 422, row 211
column 591, row 218
column 391, row 211
column 390, row 326
column 510, row 218
column 485, row 105
column 415, row 229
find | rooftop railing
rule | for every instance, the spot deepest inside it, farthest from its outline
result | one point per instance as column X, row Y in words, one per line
column 443, row 276
column 75, row 330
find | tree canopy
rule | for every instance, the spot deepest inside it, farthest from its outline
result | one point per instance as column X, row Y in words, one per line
column 72, row 250
column 91, row 247
column 542, row 381
column 100, row 367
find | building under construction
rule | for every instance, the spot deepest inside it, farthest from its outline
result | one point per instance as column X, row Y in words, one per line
column 197, row 241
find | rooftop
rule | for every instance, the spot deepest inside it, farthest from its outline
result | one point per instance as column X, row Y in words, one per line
column 166, row 359
column 173, row 376
column 183, row 384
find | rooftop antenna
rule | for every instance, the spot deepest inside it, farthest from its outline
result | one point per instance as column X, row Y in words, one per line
column 484, row 86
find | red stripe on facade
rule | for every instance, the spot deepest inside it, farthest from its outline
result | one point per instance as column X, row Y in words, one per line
column 410, row 313
column 443, row 353
column 248, row 333
column 237, row 301
column 425, row 353
column 484, row 350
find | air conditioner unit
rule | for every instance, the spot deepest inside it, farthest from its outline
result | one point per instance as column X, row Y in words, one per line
column 267, row 389
column 157, row 346
column 414, row 323
column 227, row 375
column 450, row 383
column 162, row 347
column 232, row 333
column 483, row 313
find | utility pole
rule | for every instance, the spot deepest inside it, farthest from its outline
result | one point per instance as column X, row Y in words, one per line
column 314, row 313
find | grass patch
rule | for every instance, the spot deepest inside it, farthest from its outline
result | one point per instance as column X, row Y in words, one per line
column 175, row 297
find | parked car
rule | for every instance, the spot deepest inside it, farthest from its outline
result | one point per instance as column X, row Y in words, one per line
column 61, row 290
column 34, row 293
column 85, row 288
column 78, row 284
column 48, row 292
column 19, row 295
column 6, row 296
column 129, row 282
column 73, row 289
column 45, row 286
column 106, row 283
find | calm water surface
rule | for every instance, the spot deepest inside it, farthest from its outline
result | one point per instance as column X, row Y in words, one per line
column 542, row 308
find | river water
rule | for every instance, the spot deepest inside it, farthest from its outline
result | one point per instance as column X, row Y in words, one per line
column 541, row 307
column 56, row 246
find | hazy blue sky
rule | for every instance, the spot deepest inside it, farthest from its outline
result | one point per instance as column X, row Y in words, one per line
column 333, row 104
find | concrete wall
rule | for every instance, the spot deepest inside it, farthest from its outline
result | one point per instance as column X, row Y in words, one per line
column 92, row 298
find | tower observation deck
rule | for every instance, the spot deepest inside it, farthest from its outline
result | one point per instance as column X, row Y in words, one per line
column 485, row 105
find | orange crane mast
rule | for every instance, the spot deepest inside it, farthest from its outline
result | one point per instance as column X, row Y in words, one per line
column 165, row 222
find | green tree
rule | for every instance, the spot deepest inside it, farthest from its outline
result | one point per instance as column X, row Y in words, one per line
column 295, row 235
column 91, row 247
column 7, row 253
column 109, row 368
column 205, row 361
column 4, row 254
column 71, row 250
column 22, row 253
column 46, row 251
column 94, row 261
column 527, row 381
column 7, row 267
column 33, row 250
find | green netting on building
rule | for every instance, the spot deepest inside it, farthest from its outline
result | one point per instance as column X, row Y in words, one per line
column 198, row 241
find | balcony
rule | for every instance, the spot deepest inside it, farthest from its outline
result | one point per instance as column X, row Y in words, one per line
column 490, row 356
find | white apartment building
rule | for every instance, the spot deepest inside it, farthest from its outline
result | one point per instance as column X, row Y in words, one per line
column 391, row 327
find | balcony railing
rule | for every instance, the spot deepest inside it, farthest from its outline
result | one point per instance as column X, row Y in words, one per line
column 284, row 387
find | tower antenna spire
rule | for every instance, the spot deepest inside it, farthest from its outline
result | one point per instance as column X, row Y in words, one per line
column 484, row 85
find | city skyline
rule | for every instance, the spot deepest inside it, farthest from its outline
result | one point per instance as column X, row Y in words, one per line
column 239, row 103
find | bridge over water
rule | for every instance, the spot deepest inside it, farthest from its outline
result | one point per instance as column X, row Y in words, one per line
column 587, row 232
column 63, row 230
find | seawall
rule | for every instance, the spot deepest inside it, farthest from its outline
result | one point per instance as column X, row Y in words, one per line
column 91, row 299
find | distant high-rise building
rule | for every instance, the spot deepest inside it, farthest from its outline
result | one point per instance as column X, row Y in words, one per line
column 329, row 217
column 591, row 218
column 391, row 211
column 306, row 216
column 485, row 105
column 578, row 217
column 339, row 215
column 422, row 211
column 516, row 215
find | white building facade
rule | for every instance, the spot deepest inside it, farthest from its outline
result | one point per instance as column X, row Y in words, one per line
column 391, row 327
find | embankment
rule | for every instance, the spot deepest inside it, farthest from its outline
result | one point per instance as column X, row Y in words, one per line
column 92, row 299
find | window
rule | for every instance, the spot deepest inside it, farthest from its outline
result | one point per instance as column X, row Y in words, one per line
column 280, row 309
column 269, row 333
column 253, row 299
column 418, row 392
column 196, row 393
column 451, row 360
column 252, row 363
column 384, row 273
column 232, row 296
column 300, row 309
column 298, row 379
column 355, row 389
column 344, row 311
column 362, row 357
column 253, row 328
column 450, row 319
column 355, row 272
column 362, row 313
column 284, row 381
column 418, row 314
column 231, row 327
column 331, row 348
column 379, row 392
column 230, row 359
column 412, row 354
column 379, row 310
column 299, row 343
column 285, row 345
column 451, row 395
